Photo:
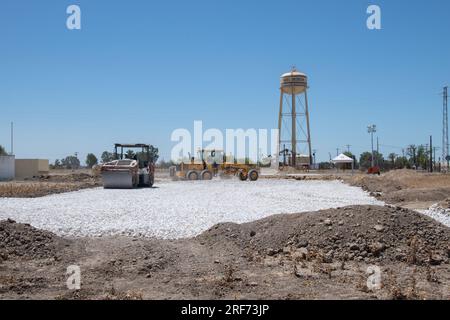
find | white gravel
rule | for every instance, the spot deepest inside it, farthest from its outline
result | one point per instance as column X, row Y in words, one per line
column 177, row 209
column 439, row 214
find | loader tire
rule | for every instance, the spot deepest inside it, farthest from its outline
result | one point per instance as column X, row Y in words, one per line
column 192, row 175
column 242, row 176
column 253, row 175
column 151, row 181
column 206, row 175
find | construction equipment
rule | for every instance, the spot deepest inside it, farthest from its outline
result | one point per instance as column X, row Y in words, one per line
column 130, row 170
column 374, row 170
column 210, row 163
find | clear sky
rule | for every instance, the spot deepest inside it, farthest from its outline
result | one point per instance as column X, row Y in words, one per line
column 137, row 70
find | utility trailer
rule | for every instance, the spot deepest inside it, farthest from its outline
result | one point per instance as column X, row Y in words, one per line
column 126, row 171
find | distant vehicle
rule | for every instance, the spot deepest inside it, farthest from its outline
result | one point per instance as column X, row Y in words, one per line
column 126, row 173
column 210, row 163
column 374, row 170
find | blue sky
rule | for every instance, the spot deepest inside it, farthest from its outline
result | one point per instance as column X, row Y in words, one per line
column 137, row 70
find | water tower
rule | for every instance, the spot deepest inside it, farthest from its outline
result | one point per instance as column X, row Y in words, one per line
column 293, row 120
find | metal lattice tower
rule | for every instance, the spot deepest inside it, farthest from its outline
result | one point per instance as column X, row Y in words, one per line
column 445, row 146
column 293, row 120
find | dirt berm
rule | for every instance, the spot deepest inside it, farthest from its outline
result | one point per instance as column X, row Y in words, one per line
column 405, row 187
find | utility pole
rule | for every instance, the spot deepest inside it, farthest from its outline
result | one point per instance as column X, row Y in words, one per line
column 434, row 155
column 378, row 151
column 445, row 154
column 348, row 148
column 412, row 149
column 372, row 129
column 431, row 153
column 337, row 152
column 12, row 138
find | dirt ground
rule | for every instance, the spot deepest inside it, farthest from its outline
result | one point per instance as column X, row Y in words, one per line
column 321, row 255
column 56, row 182
column 405, row 188
column 318, row 255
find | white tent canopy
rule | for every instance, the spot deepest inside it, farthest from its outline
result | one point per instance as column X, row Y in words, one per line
column 342, row 158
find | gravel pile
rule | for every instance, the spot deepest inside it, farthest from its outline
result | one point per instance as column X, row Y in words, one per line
column 440, row 212
column 24, row 241
column 177, row 209
column 360, row 233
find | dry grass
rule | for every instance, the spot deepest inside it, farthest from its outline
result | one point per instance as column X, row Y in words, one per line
column 38, row 189
column 415, row 179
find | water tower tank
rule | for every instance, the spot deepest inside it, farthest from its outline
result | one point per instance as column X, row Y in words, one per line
column 294, row 82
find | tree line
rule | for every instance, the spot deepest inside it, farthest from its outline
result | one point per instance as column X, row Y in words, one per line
column 72, row 161
column 415, row 157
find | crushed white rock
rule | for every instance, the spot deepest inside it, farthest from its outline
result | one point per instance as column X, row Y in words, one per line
column 439, row 214
column 177, row 209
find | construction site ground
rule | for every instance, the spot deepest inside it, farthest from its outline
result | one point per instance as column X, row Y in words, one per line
column 326, row 254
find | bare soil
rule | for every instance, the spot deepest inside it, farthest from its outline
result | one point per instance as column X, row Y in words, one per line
column 406, row 188
column 317, row 255
column 49, row 184
column 58, row 181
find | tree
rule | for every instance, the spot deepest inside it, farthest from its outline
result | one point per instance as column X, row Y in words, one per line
column 70, row 162
column 57, row 164
column 365, row 160
column 165, row 164
column 392, row 157
column 423, row 157
column 411, row 152
column 401, row 163
column 107, row 157
column 130, row 154
column 324, row 165
column 3, row 151
column 91, row 160
column 154, row 154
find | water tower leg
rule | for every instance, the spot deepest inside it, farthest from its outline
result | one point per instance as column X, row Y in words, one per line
column 280, row 121
column 294, row 132
column 307, row 125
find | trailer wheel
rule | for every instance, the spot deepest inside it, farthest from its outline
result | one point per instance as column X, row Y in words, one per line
column 242, row 175
column 192, row 175
column 206, row 175
column 253, row 175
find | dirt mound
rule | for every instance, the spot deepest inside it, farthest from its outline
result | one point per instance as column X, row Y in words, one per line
column 402, row 186
column 359, row 233
column 26, row 242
